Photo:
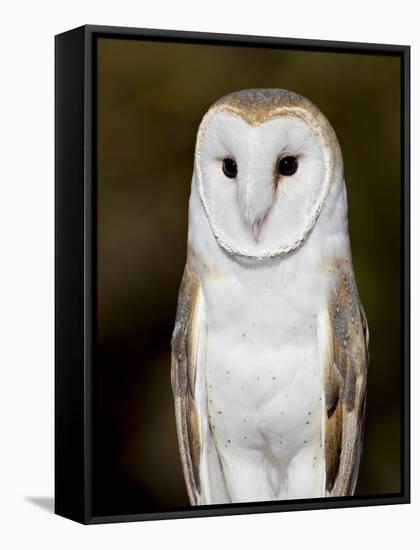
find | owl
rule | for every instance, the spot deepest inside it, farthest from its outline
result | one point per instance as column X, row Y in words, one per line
column 270, row 345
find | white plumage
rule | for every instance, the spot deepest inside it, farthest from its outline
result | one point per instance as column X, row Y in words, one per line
column 254, row 371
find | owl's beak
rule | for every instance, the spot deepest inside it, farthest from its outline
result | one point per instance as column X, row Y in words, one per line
column 256, row 228
column 256, row 201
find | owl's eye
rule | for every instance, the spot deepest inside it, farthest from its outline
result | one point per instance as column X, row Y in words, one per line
column 230, row 168
column 288, row 166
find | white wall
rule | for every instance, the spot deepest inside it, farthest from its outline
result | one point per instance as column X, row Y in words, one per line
column 26, row 271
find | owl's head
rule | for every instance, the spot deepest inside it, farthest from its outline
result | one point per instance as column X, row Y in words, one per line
column 264, row 164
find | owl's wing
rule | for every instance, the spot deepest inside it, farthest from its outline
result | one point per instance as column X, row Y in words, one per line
column 185, row 386
column 343, row 343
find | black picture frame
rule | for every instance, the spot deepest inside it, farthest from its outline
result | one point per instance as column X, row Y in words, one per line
column 75, row 253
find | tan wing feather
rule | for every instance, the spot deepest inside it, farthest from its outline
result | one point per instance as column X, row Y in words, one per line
column 346, row 357
column 183, row 373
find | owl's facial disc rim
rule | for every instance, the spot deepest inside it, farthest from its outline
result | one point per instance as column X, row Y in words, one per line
column 311, row 121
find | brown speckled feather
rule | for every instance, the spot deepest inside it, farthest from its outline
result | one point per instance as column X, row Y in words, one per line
column 345, row 369
column 183, row 372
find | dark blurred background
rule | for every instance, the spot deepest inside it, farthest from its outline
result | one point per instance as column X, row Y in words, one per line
column 151, row 98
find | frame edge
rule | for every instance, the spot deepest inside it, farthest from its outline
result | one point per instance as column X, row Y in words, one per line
column 70, row 474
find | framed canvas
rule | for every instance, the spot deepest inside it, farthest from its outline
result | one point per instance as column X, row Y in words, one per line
column 232, row 274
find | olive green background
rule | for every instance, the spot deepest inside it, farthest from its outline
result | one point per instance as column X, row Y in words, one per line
column 151, row 97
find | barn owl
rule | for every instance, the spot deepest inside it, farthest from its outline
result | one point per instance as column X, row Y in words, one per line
column 270, row 346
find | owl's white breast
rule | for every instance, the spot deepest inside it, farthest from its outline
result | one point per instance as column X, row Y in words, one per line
column 260, row 339
column 264, row 383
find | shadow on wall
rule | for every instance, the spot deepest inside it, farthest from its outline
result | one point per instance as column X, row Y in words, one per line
column 46, row 503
